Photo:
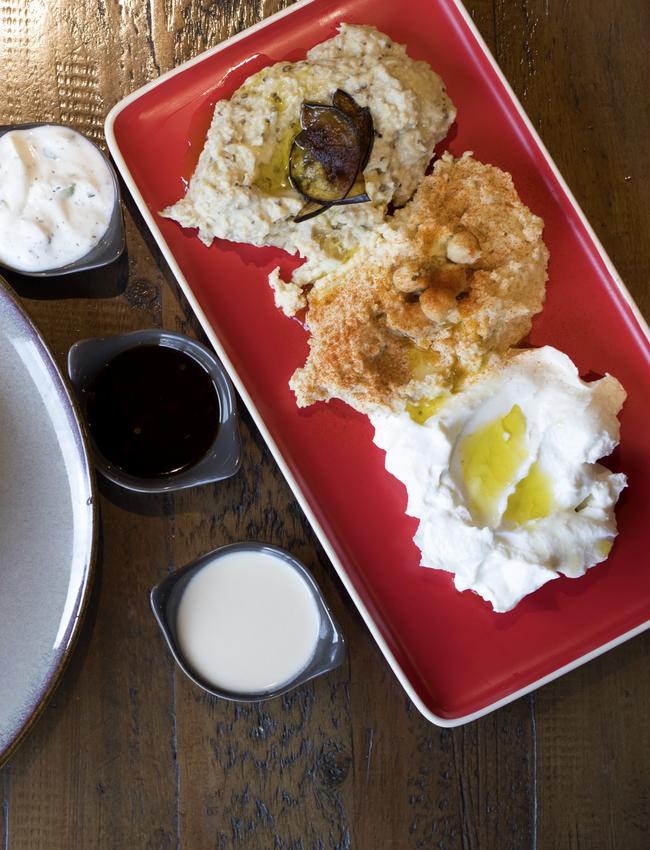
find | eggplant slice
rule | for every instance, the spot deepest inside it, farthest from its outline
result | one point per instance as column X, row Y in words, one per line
column 362, row 119
column 310, row 210
column 329, row 154
column 325, row 158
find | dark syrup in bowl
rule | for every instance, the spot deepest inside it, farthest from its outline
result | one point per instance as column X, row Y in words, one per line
column 153, row 411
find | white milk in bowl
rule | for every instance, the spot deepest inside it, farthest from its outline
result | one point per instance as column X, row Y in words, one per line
column 248, row 622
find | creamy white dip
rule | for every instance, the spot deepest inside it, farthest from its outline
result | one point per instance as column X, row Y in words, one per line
column 240, row 190
column 247, row 622
column 57, row 195
column 503, row 475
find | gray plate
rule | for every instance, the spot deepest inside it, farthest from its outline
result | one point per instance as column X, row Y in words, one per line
column 47, row 522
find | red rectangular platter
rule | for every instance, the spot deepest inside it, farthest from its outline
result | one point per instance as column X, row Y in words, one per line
column 454, row 656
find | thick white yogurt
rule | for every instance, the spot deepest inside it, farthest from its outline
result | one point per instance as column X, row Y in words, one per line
column 57, row 196
column 503, row 476
column 247, row 622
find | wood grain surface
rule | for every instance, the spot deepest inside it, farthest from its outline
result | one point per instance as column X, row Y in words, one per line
column 129, row 754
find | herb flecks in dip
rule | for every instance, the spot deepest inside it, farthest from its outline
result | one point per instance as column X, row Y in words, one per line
column 57, row 196
column 240, row 190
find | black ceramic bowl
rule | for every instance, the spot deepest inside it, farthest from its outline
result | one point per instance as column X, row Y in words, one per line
column 110, row 246
column 166, row 597
column 222, row 459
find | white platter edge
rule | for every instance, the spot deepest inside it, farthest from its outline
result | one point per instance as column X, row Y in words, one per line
column 257, row 418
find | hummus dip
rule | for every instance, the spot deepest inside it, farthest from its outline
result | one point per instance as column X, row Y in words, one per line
column 240, row 190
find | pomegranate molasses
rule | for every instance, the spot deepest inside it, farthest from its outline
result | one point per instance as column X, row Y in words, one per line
column 153, row 411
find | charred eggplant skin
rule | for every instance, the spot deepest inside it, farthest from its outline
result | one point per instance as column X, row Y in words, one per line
column 325, row 156
column 362, row 119
column 310, row 210
column 329, row 154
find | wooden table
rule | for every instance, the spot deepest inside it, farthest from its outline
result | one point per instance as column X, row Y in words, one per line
column 129, row 754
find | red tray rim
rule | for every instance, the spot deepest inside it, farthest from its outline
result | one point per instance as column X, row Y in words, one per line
column 109, row 128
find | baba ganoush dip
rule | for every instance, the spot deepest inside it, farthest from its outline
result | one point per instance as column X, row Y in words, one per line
column 57, row 196
column 241, row 191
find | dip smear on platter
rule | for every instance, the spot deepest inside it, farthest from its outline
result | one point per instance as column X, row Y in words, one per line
column 454, row 277
column 503, row 475
column 241, row 191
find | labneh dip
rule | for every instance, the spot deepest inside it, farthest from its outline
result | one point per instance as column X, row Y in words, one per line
column 241, row 191
column 57, row 196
